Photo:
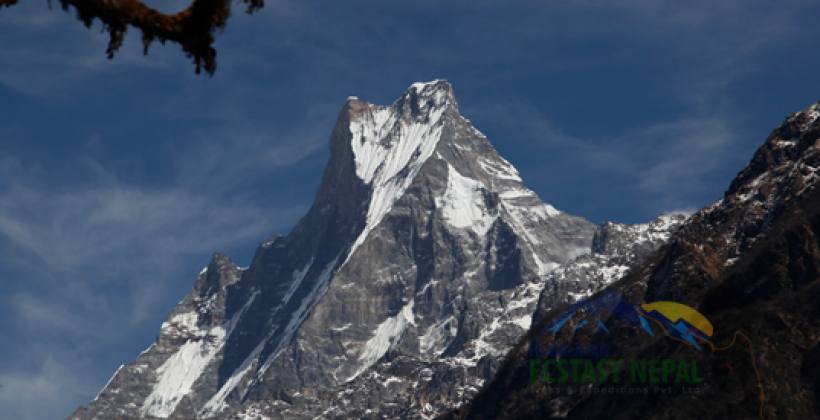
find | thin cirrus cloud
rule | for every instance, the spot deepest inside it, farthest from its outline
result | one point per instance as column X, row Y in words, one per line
column 67, row 56
column 664, row 166
column 89, row 263
column 34, row 393
column 105, row 223
column 617, row 110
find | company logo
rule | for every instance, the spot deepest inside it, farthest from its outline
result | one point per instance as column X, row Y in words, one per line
column 574, row 348
column 571, row 355
column 594, row 317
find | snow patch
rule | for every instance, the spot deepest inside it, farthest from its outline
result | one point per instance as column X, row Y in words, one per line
column 367, row 134
column 516, row 193
column 500, row 168
column 523, row 321
column 420, row 86
column 109, row 382
column 298, row 276
column 613, row 273
column 342, row 328
column 178, row 373
column 437, row 337
column 235, row 319
column 183, row 321
column 301, row 313
column 217, row 402
column 463, row 203
column 389, row 152
column 386, row 335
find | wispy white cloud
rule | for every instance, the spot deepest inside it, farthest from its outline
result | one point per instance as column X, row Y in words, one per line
column 53, row 56
column 667, row 165
column 109, row 231
column 97, row 257
column 93, row 259
column 220, row 161
column 682, row 153
column 33, row 394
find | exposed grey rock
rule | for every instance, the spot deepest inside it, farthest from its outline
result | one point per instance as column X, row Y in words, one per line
column 616, row 248
column 418, row 266
column 749, row 263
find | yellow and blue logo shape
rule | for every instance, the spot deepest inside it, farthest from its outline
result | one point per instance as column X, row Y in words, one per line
column 678, row 321
column 672, row 319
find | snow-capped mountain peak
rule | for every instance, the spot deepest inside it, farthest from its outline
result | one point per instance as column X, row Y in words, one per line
column 386, row 139
column 423, row 254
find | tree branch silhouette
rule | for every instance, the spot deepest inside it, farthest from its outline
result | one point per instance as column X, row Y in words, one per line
column 193, row 28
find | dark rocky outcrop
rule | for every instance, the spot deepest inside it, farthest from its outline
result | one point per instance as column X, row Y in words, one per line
column 750, row 264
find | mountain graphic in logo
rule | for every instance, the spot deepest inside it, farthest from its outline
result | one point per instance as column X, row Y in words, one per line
column 675, row 320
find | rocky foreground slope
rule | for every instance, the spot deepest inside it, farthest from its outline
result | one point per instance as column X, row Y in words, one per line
column 749, row 263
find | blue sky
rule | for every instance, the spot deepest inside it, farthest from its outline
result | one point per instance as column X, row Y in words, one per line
column 119, row 178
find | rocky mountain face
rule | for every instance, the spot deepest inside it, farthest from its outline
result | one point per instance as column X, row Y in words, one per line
column 749, row 263
column 418, row 266
column 616, row 248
